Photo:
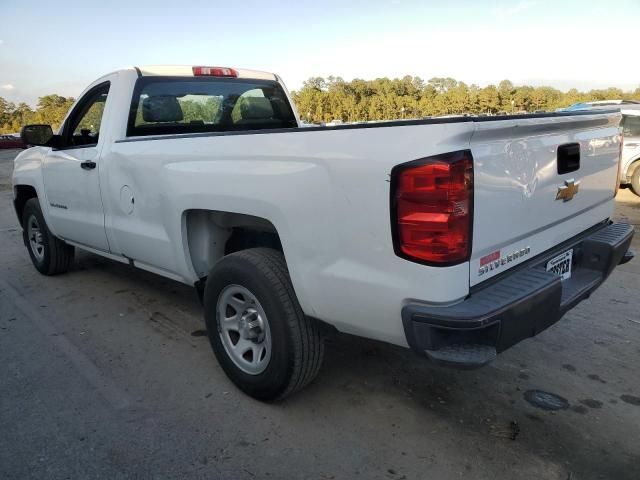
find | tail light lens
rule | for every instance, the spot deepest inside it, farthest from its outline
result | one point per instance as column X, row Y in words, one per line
column 432, row 208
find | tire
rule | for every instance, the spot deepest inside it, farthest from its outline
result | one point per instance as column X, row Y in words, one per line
column 49, row 254
column 292, row 342
column 635, row 180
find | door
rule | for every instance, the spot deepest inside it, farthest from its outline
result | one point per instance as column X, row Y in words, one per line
column 71, row 174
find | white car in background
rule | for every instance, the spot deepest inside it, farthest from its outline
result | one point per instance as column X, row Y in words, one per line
column 630, row 158
column 630, row 161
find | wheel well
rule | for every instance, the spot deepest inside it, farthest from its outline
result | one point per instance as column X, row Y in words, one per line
column 213, row 234
column 22, row 194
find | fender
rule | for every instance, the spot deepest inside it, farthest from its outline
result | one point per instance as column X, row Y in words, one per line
column 28, row 171
column 266, row 196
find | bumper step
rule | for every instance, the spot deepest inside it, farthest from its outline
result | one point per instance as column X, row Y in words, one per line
column 463, row 356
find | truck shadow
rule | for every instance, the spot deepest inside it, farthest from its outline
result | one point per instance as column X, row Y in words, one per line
column 482, row 411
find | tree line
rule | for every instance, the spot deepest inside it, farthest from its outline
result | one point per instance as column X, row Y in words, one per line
column 332, row 98
column 50, row 109
column 324, row 100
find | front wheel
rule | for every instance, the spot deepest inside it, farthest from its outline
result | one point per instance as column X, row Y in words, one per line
column 261, row 337
column 49, row 254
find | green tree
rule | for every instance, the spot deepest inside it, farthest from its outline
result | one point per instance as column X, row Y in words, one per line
column 506, row 91
column 52, row 109
column 6, row 111
column 489, row 99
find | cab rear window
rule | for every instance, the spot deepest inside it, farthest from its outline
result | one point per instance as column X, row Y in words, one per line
column 178, row 105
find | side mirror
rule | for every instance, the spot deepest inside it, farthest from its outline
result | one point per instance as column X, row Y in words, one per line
column 38, row 135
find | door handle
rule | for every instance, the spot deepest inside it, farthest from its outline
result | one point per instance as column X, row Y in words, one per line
column 88, row 165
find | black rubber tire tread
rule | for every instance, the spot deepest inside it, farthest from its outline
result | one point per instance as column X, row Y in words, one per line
column 306, row 339
column 635, row 180
column 58, row 254
column 311, row 352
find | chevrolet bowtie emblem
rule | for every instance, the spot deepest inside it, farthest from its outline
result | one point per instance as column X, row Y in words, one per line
column 568, row 191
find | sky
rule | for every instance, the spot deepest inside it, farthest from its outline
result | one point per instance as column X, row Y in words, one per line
column 61, row 47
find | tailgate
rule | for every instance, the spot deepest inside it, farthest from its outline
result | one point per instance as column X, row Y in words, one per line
column 532, row 192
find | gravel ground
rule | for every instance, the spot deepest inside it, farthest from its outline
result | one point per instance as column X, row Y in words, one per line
column 104, row 373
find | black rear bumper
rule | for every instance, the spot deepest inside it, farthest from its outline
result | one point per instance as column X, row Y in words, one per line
column 518, row 305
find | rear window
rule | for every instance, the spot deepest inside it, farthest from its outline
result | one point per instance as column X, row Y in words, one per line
column 631, row 125
column 164, row 105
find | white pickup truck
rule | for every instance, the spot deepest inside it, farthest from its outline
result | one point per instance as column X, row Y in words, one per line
column 457, row 237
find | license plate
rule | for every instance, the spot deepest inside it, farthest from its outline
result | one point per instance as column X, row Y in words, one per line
column 561, row 265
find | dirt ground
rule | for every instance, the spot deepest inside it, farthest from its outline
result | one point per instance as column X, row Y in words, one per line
column 104, row 373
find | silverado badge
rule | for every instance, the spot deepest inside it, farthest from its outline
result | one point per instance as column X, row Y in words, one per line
column 568, row 190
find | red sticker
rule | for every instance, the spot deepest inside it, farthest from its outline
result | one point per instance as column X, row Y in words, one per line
column 489, row 258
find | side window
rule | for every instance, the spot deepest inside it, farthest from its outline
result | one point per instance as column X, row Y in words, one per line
column 631, row 125
column 84, row 123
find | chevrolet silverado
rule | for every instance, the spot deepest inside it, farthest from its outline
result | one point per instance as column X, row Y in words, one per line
column 457, row 237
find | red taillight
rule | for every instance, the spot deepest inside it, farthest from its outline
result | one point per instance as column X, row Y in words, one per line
column 432, row 202
column 214, row 72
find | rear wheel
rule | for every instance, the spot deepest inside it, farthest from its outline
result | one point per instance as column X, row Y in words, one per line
column 261, row 337
column 49, row 254
column 635, row 180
